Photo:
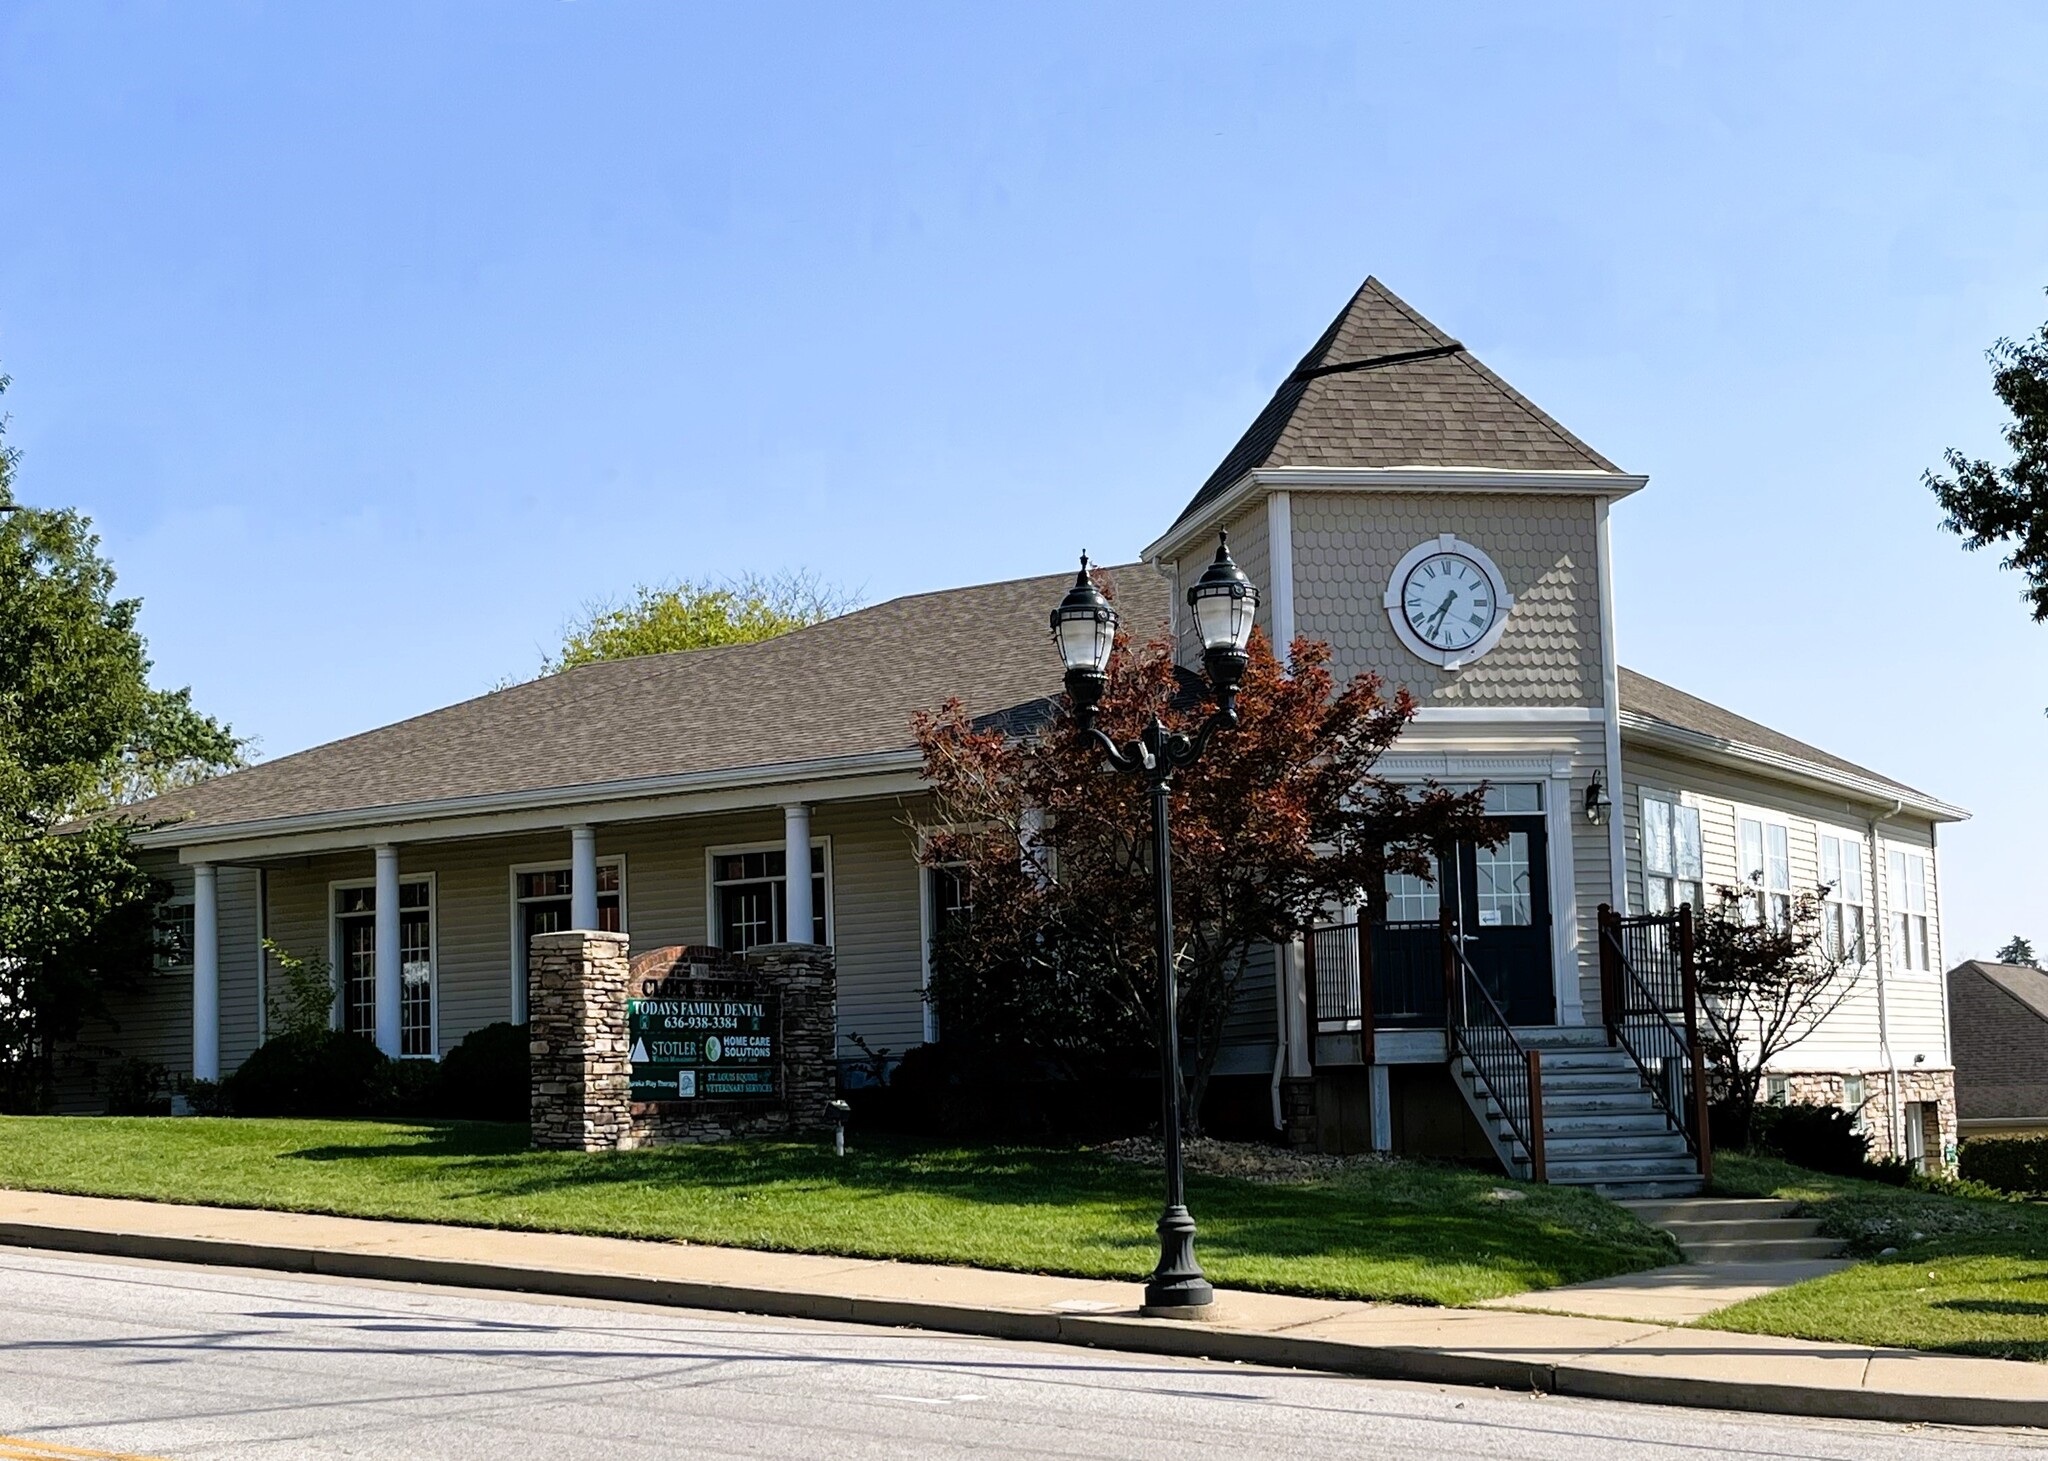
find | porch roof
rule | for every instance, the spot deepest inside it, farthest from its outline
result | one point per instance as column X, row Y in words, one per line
column 841, row 693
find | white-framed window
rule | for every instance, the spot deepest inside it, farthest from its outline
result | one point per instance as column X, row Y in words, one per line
column 749, row 892
column 1853, row 1097
column 1777, row 1090
column 1909, row 908
column 1411, row 899
column 1766, row 852
column 176, row 923
column 948, row 904
column 1841, row 871
column 354, row 911
column 540, row 904
column 1671, row 854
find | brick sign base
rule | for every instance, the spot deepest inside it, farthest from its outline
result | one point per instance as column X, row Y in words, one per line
column 578, row 985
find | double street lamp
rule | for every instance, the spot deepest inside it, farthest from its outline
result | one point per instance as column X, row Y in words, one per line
column 1084, row 626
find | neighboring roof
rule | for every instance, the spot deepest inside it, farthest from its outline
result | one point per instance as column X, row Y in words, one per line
column 2027, row 985
column 1660, row 704
column 845, row 688
column 1383, row 387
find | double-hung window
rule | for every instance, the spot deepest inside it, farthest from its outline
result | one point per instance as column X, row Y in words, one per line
column 1671, row 854
column 1841, row 869
column 1909, row 908
column 1766, row 849
column 355, row 938
column 174, row 936
column 541, row 904
column 749, row 897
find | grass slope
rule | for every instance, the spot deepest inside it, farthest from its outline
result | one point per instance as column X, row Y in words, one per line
column 1409, row 1232
column 1968, row 1275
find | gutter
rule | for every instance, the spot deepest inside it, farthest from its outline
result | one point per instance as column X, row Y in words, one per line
column 178, row 834
column 1869, row 789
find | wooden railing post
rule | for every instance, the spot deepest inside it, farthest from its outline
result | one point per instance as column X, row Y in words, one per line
column 1610, row 982
column 1366, row 1020
column 1689, row 983
column 1536, row 1163
column 1308, row 982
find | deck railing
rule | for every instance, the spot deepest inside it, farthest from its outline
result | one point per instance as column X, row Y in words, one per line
column 1476, row 1028
column 1392, row 970
column 1649, row 997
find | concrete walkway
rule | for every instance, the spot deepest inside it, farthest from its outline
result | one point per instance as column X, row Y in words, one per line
column 1553, row 1353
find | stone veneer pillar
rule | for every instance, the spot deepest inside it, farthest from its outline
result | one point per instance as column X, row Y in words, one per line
column 576, row 1020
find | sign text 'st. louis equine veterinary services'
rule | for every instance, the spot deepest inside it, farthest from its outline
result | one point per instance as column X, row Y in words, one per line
column 708, row 1049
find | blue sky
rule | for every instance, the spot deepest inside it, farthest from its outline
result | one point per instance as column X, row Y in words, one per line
column 378, row 338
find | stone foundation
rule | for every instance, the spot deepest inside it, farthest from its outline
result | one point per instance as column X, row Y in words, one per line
column 579, row 983
column 1298, row 1113
column 1934, row 1090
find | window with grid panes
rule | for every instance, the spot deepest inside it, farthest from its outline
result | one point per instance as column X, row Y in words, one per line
column 750, row 891
column 355, row 925
column 1909, row 908
column 1671, row 854
column 1841, row 870
column 1766, row 849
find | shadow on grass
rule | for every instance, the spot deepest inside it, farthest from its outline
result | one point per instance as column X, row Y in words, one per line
column 1315, row 1232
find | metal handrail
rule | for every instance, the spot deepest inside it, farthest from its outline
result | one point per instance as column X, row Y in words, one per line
column 1641, row 1022
column 1511, row 1072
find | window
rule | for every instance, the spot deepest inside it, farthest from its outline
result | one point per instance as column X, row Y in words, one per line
column 1841, row 869
column 1909, row 908
column 1777, row 1090
column 1671, row 855
column 952, row 898
column 1766, row 849
column 1502, row 883
column 355, row 936
column 1411, row 899
column 749, row 889
column 1852, row 1097
column 174, row 950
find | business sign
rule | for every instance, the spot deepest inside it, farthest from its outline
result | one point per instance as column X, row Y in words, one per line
column 704, row 1049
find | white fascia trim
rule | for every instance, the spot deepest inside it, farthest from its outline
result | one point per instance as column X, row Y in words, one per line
column 840, row 778
column 1509, row 715
column 1867, row 790
column 1392, row 479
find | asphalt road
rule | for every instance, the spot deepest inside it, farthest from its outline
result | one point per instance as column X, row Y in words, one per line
column 104, row 1357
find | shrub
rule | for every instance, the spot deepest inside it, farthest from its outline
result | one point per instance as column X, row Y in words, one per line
column 487, row 1076
column 1892, row 1171
column 138, row 1088
column 312, row 1073
column 2008, row 1163
column 409, row 1088
column 1822, row 1138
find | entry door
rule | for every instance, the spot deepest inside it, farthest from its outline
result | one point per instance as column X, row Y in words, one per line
column 1503, row 911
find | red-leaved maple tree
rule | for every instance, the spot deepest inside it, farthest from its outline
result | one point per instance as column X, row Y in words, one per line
column 1283, row 817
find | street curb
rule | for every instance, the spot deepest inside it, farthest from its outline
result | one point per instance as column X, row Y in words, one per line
column 1099, row 1331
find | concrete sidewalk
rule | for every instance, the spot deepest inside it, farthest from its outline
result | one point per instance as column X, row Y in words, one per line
column 1558, row 1354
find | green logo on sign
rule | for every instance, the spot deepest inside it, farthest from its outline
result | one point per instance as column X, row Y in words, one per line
column 710, row 1049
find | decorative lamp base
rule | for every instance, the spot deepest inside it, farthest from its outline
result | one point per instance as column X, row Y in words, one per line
column 1177, row 1288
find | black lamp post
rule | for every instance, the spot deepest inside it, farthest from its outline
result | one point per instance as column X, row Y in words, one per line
column 1084, row 626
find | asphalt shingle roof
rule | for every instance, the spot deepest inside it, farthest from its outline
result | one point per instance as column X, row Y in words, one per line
column 1383, row 387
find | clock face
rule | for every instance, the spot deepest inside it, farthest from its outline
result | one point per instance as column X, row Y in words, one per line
column 1448, row 601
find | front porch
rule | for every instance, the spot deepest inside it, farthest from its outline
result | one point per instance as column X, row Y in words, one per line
column 1403, row 1018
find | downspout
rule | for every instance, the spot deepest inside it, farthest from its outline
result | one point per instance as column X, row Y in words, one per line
column 1610, row 692
column 1881, row 921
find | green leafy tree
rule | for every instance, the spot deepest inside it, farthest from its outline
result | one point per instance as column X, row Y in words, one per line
column 2018, row 951
column 81, row 732
column 686, row 614
column 1987, row 503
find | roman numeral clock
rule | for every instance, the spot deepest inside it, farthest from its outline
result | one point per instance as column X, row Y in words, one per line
column 1448, row 601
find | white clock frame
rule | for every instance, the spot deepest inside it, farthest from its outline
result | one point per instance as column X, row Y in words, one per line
column 1503, row 601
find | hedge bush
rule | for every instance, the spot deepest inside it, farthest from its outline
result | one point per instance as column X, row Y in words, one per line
column 485, row 1078
column 327, row 1073
column 1820, row 1138
column 2009, row 1163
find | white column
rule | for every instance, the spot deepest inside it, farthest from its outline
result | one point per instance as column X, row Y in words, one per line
column 205, row 973
column 387, row 950
column 1280, row 571
column 796, row 845
column 583, row 877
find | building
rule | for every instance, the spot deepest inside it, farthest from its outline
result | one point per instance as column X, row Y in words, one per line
column 2000, row 1040
column 671, row 796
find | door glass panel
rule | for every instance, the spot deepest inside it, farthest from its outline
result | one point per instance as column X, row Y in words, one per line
column 1503, row 883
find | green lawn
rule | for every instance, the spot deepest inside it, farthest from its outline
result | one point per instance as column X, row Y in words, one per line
column 1410, row 1232
column 1969, row 1276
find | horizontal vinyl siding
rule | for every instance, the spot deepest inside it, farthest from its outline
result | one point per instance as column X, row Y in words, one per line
column 1850, row 1038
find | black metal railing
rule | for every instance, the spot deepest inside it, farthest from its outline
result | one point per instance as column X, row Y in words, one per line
column 1476, row 1028
column 1649, row 998
column 1393, row 971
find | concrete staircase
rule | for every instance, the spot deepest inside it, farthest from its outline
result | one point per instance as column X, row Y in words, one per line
column 1732, row 1230
column 1601, row 1128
